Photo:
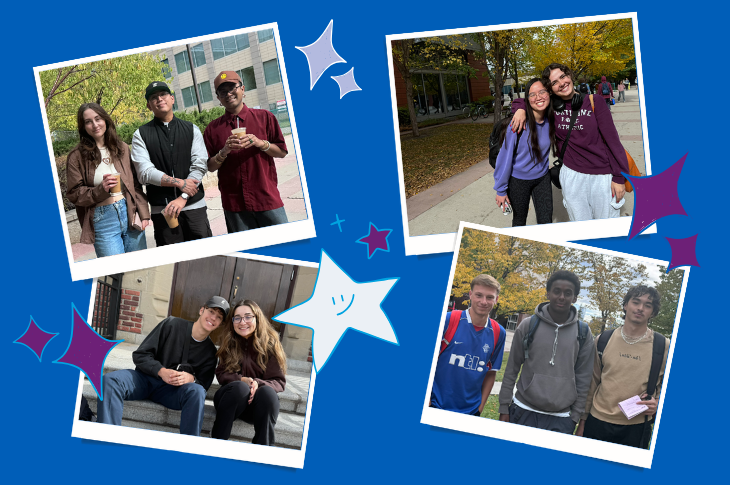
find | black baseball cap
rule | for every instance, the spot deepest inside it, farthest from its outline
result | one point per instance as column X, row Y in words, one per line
column 220, row 303
column 155, row 87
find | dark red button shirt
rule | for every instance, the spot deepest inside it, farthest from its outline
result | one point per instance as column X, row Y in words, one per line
column 247, row 179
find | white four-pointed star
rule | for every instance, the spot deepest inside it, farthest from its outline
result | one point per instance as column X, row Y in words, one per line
column 338, row 303
column 347, row 82
column 321, row 55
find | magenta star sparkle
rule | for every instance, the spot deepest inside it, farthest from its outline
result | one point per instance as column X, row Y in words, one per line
column 35, row 338
column 87, row 351
column 376, row 239
column 655, row 197
column 683, row 252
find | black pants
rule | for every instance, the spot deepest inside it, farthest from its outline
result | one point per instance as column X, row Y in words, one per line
column 231, row 402
column 636, row 435
column 532, row 419
column 193, row 225
column 519, row 193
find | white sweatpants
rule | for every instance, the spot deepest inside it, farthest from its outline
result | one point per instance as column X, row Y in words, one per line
column 587, row 196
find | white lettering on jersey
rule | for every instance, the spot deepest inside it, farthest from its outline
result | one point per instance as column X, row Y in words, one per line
column 468, row 362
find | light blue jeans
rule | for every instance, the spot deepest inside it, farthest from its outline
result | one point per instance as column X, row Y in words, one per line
column 112, row 232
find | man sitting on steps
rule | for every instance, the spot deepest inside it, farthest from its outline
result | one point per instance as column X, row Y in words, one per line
column 175, row 368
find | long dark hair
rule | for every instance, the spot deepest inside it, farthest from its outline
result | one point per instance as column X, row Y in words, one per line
column 534, row 145
column 87, row 145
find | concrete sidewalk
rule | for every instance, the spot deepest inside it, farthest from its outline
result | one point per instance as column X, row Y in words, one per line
column 290, row 190
column 469, row 196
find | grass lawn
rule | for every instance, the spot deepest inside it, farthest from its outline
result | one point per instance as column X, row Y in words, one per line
column 442, row 152
column 491, row 409
column 500, row 372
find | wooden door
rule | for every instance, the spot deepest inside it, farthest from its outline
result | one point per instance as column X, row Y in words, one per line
column 268, row 284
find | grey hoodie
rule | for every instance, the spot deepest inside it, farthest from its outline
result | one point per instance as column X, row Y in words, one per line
column 558, row 373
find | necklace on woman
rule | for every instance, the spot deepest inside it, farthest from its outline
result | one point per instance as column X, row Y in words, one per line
column 633, row 340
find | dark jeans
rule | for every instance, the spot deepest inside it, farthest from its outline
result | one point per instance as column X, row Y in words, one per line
column 193, row 225
column 132, row 385
column 636, row 435
column 532, row 419
column 231, row 402
column 245, row 220
column 519, row 192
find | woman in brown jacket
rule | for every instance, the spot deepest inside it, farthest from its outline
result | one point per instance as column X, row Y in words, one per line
column 112, row 218
column 251, row 371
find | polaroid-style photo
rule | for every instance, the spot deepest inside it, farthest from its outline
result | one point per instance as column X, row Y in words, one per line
column 555, row 344
column 178, row 142
column 200, row 328
column 453, row 93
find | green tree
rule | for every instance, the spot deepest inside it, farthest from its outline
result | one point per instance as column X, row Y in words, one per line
column 669, row 288
column 117, row 84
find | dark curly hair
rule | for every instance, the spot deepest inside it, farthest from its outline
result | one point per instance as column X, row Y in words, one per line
column 641, row 290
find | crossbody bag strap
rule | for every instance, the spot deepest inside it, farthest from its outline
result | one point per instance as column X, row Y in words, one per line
column 573, row 117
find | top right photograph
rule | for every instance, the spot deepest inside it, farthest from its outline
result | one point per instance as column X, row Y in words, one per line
column 518, row 125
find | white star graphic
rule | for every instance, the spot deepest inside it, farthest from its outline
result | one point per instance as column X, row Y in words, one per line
column 347, row 82
column 321, row 55
column 338, row 303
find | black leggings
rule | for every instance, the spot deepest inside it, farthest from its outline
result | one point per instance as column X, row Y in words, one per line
column 231, row 402
column 519, row 192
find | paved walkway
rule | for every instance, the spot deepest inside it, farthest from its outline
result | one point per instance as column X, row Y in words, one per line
column 290, row 189
column 469, row 196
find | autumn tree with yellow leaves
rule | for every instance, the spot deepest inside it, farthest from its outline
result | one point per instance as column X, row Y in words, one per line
column 117, row 84
column 588, row 48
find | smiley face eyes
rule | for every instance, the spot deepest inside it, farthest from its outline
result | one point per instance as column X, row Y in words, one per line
column 342, row 298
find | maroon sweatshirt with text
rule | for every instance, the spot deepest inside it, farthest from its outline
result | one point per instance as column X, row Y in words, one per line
column 587, row 152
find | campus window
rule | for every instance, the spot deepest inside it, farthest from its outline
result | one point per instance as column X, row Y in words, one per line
column 189, row 98
column 206, row 95
column 271, row 72
column 198, row 55
column 182, row 62
column 166, row 69
column 265, row 35
column 248, row 78
column 229, row 45
column 175, row 106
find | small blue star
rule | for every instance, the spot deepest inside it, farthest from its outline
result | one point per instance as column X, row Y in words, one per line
column 338, row 222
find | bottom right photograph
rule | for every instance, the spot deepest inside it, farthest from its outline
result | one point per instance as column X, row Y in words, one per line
column 557, row 345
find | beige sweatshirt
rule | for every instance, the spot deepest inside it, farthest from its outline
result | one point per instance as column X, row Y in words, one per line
column 625, row 374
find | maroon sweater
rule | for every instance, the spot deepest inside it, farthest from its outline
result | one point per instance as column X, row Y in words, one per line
column 272, row 376
column 587, row 152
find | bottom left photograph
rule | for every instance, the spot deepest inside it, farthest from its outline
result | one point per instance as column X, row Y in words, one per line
column 202, row 358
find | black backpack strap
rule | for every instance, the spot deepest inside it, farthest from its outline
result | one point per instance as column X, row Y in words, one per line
column 573, row 117
column 530, row 336
column 602, row 342
column 657, row 357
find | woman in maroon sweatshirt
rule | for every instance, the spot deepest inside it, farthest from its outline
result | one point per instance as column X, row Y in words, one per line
column 591, row 180
column 251, row 371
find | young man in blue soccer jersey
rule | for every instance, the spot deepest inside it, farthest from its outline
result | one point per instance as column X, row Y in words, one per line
column 468, row 364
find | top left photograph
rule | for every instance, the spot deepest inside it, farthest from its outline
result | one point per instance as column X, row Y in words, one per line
column 174, row 152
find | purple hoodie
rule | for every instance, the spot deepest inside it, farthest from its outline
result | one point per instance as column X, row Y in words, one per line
column 587, row 152
column 522, row 167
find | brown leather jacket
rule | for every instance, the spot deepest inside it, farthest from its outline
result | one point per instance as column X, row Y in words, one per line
column 82, row 193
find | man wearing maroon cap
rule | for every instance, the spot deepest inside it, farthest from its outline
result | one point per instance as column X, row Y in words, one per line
column 246, row 171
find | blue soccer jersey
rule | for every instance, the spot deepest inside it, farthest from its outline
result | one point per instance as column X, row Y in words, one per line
column 463, row 365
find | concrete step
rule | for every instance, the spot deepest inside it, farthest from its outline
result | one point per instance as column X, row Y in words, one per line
column 149, row 415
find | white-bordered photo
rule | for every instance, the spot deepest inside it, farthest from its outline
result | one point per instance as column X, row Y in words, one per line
column 253, row 409
column 449, row 88
column 230, row 193
column 573, row 337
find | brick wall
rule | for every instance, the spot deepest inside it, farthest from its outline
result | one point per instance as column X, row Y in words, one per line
column 129, row 319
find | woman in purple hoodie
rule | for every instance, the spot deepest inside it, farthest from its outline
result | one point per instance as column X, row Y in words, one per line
column 521, row 172
column 591, row 180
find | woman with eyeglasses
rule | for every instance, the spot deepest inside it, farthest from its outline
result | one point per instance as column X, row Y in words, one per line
column 521, row 170
column 113, row 212
column 251, row 370
column 591, row 180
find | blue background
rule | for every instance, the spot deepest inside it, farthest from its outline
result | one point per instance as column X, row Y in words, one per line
column 365, row 418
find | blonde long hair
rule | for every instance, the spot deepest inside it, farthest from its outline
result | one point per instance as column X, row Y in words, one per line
column 265, row 341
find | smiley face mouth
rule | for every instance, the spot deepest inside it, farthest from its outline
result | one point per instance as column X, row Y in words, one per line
column 343, row 299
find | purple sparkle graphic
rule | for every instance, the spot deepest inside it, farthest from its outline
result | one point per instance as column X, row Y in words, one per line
column 321, row 55
column 656, row 197
column 376, row 239
column 35, row 338
column 683, row 252
column 347, row 82
column 87, row 351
